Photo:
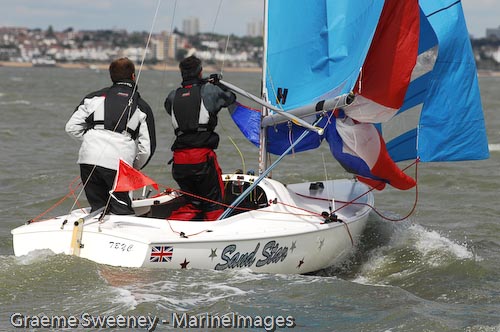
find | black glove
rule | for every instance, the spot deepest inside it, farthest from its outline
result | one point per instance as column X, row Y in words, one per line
column 214, row 78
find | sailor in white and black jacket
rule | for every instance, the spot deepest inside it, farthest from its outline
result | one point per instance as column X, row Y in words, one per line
column 112, row 124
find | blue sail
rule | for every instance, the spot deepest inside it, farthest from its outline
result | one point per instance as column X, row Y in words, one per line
column 316, row 48
column 451, row 123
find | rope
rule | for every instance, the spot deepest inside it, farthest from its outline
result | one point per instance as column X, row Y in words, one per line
column 311, row 213
column 321, row 215
column 81, row 191
column 59, row 202
column 298, row 208
column 242, row 157
column 353, row 201
column 349, row 233
column 182, row 234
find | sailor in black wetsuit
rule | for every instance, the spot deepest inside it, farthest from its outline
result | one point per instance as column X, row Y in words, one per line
column 194, row 108
column 112, row 123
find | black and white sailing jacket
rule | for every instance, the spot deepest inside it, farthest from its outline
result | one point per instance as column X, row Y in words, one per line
column 194, row 108
column 111, row 125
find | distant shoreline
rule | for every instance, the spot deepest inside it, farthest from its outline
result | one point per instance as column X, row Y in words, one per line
column 160, row 67
column 163, row 67
column 488, row 73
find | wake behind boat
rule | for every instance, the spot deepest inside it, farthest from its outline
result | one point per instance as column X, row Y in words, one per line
column 267, row 233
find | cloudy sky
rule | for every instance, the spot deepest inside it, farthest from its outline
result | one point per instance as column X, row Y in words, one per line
column 137, row 15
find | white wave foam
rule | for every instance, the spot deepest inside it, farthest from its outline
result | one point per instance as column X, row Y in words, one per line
column 126, row 298
column 483, row 328
column 35, row 256
column 184, row 293
column 16, row 102
column 436, row 247
column 494, row 147
column 411, row 248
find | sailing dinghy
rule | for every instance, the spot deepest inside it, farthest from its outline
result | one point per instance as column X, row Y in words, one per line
column 335, row 71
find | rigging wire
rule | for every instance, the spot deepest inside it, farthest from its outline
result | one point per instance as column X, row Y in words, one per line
column 147, row 45
column 216, row 16
column 233, row 142
column 166, row 64
column 328, row 189
column 213, row 33
column 159, row 103
column 224, row 57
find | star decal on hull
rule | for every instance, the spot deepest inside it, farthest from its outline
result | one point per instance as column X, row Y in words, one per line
column 321, row 243
column 213, row 254
column 184, row 264
column 300, row 263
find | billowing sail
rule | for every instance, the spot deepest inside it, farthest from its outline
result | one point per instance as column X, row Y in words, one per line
column 451, row 124
column 316, row 48
column 387, row 71
column 380, row 92
column 410, row 64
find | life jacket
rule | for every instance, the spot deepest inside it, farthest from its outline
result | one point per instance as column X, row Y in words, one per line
column 189, row 114
column 119, row 113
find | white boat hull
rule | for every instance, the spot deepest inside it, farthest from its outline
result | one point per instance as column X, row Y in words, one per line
column 278, row 238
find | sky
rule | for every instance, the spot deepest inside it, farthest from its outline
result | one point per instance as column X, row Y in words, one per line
column 219, row 16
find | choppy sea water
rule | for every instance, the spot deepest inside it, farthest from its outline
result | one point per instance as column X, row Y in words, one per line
column 439, row 270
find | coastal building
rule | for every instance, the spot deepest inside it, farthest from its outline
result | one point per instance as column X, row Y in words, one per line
column 493, row 33
column 158, row 48
column 172, row 45
column 496, row 55
column 191, row 26
column 255, row 29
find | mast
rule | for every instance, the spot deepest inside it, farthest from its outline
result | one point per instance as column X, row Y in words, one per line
column 265, row 111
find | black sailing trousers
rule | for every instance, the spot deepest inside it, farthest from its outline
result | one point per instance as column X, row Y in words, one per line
column 98, row 181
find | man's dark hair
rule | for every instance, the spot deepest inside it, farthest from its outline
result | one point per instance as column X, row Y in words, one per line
column 190, row 67
column 121, row 69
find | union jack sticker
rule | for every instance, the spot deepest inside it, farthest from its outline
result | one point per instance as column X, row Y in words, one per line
column 161, row 254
